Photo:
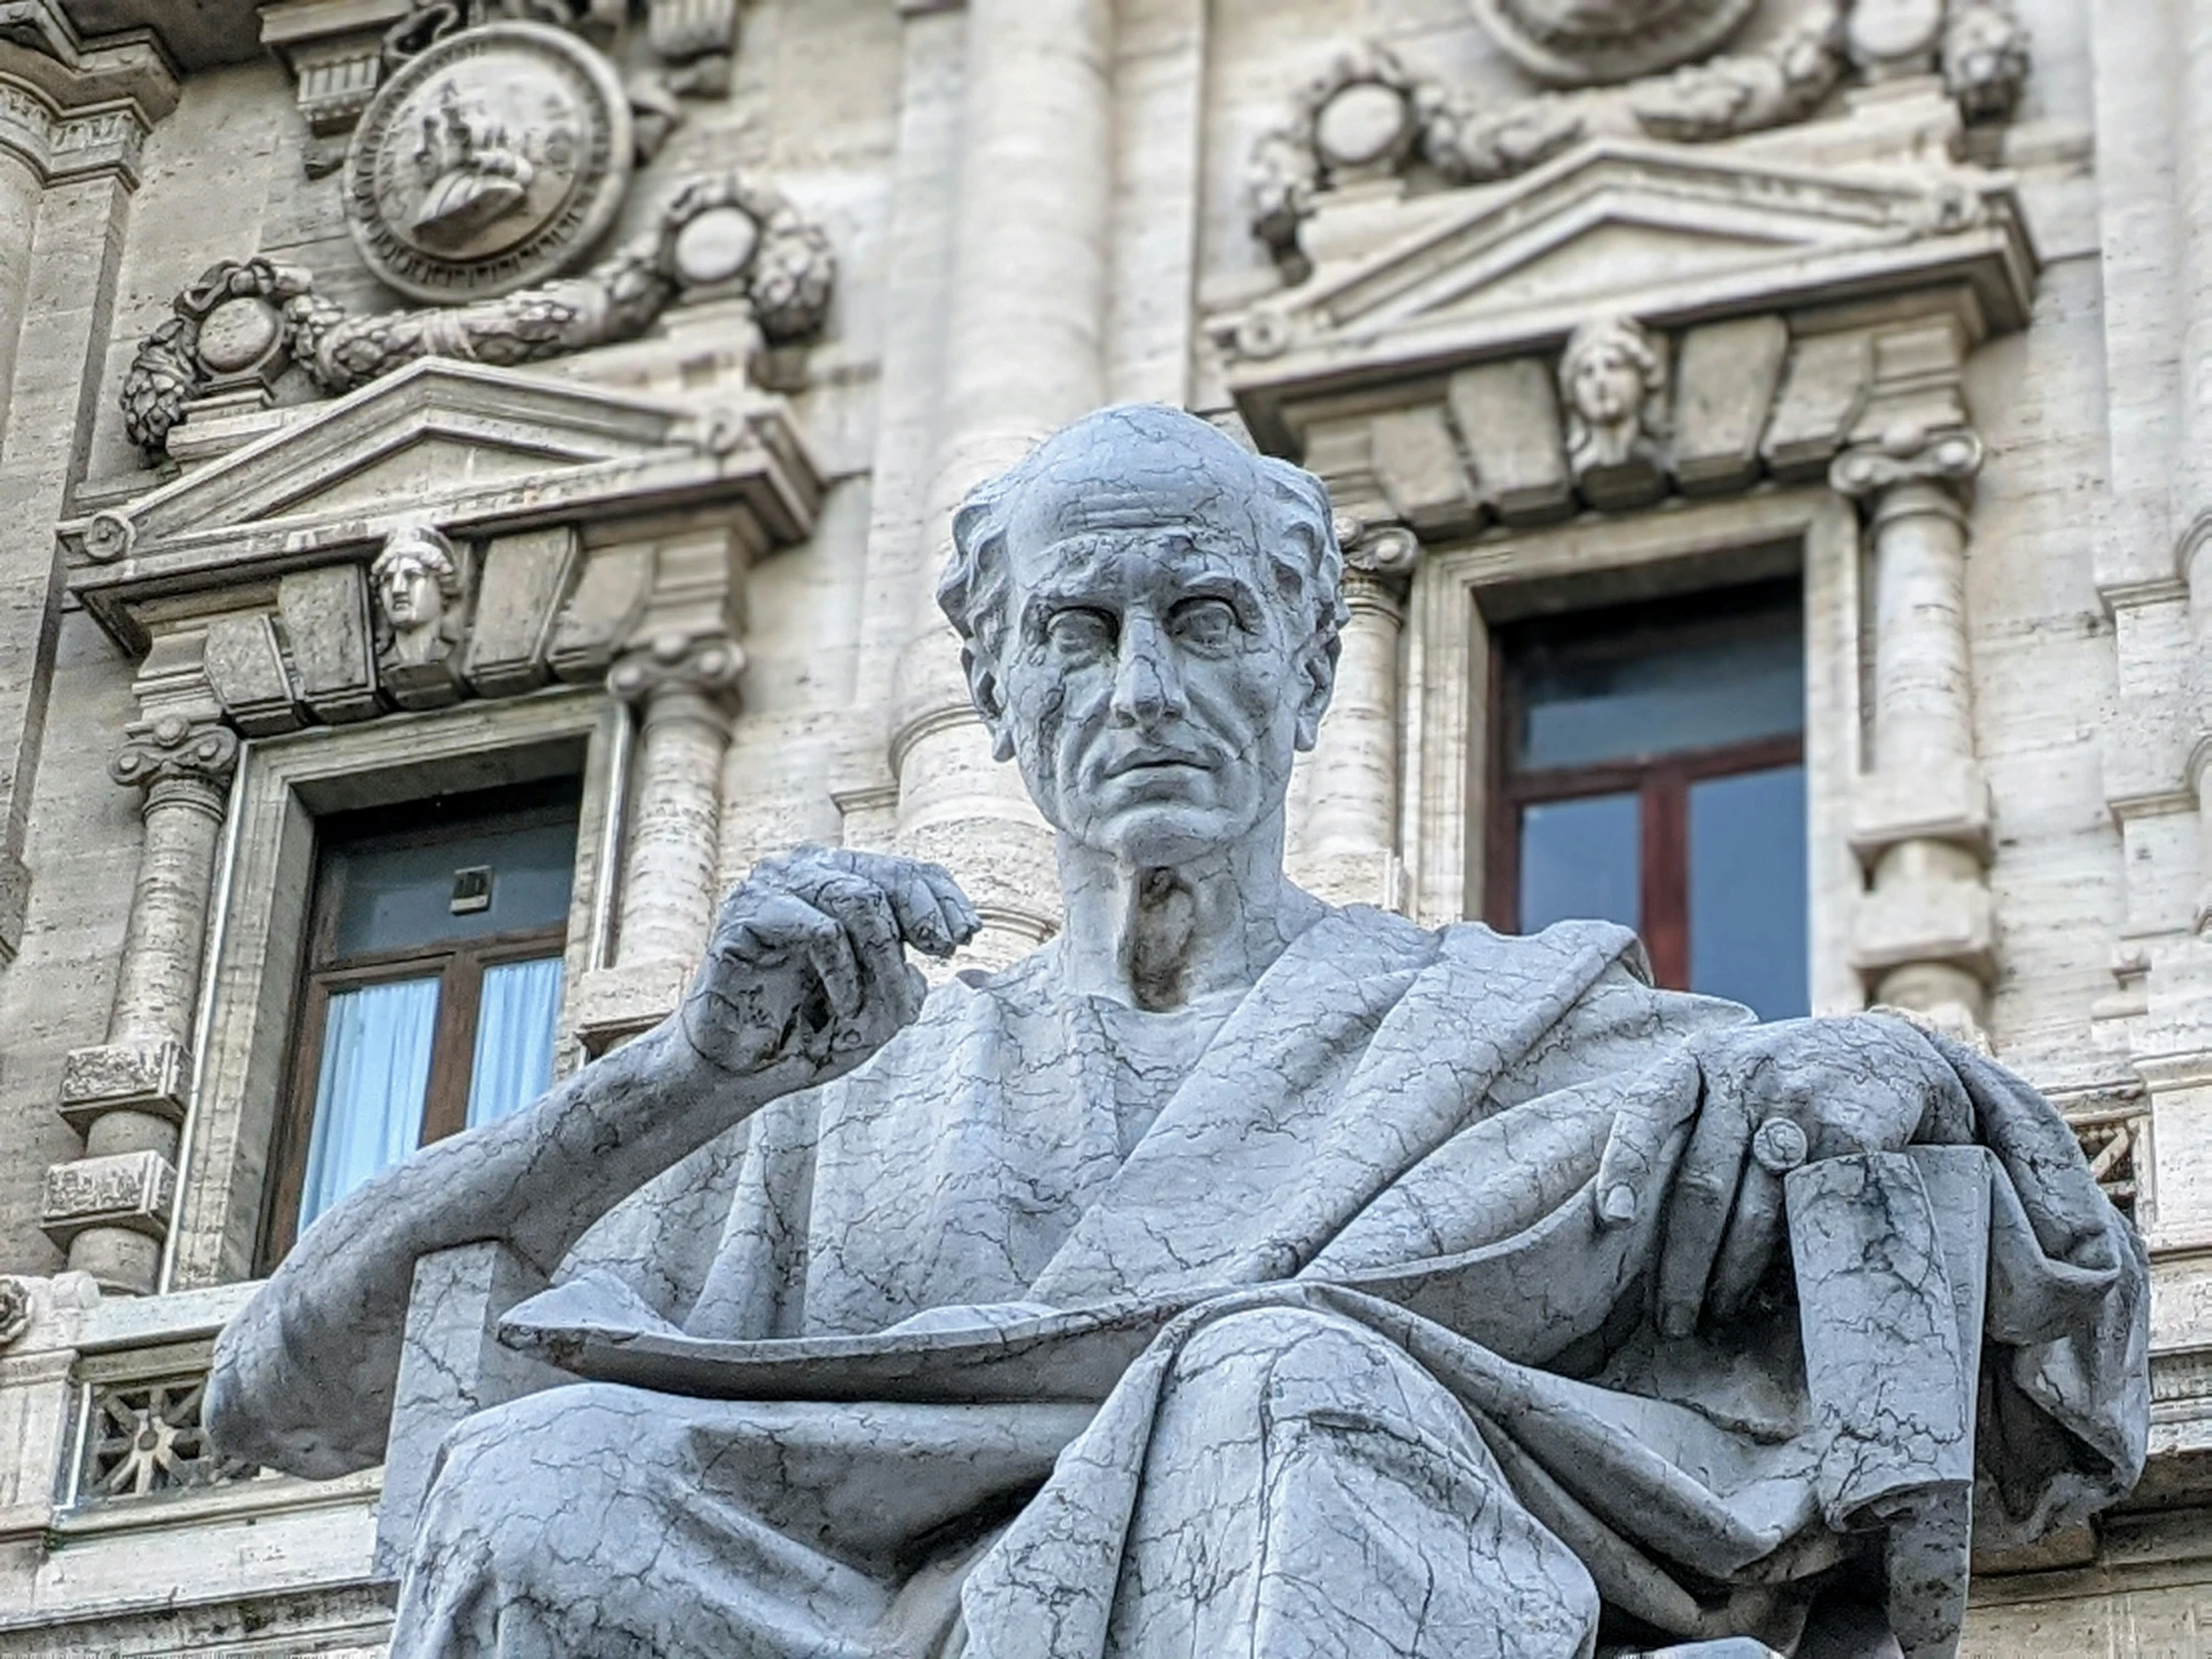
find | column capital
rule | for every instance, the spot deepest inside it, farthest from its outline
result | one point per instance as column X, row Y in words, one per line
column 176, row 747
column 705, row 665
column 1381, row 547
column 1907, row 452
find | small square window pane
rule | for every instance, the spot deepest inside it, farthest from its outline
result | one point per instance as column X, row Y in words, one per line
column 1581, row 859
column 368, row 1092
column 1747, row 891
column 514, row 1037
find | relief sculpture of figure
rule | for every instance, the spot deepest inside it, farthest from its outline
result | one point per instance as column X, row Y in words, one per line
column 1235, row 1273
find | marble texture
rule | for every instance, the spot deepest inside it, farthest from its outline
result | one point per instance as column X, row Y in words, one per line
column 1237, row 1270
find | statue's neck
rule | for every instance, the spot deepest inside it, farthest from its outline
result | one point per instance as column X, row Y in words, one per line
column 1162, row 937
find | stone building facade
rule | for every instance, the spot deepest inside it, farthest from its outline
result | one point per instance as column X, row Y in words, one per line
column 435, row 419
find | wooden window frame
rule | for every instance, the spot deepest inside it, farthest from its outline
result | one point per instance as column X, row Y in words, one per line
column 457, row 964
column 1661, row 783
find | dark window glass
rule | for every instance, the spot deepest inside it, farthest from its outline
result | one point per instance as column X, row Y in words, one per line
column 433, row 983
column 1649, row 771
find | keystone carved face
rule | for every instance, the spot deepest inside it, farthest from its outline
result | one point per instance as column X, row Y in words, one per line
column 1613, row 384
column 416, row 582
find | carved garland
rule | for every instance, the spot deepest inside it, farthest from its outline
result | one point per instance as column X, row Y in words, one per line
column 719, row 234
column 1366, row 115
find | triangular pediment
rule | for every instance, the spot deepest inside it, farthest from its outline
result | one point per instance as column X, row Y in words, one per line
column 434, row 432
column 1667, row 231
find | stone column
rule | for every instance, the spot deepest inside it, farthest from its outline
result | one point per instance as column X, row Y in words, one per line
column 1347, row 842
column 686, row 690
column 1025, row 329
column 109, row 1209
column 1925, row 938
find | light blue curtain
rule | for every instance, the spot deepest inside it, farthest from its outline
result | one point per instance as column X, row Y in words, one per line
column 368, row 1099
column 514, row 1037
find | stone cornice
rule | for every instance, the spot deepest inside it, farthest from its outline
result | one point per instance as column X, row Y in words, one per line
column 72, row 109
column 60, row 144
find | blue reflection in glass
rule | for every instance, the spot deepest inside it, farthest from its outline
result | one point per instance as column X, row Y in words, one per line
column 1747, row 891
column 1581, row 857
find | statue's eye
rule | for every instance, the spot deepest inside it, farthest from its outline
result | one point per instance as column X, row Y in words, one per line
column 1204, row 621
column 1080, row 630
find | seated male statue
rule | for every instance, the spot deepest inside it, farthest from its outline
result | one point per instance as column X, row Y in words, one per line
column 1235, row 1273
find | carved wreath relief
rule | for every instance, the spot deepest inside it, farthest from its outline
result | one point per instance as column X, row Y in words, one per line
column 488, row 163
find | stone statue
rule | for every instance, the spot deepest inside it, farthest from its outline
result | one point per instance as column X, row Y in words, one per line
column 416, row 582
column 1235, row 1273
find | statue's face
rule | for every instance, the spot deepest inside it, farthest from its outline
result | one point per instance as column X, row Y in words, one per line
column 1154, row 684
column 409, row 590
column 1606, row 385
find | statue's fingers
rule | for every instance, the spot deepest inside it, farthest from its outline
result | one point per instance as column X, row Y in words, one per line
column 1703, row 1198
column 960, row 918
column 828, row 951
column 1748, row 1250
column 1651, row 1111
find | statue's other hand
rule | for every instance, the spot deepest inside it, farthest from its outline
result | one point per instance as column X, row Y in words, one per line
column 1774, row 1096
column 807, row 973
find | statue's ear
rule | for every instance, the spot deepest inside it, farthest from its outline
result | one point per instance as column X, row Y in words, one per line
column 982, row 681
column 1318, row 661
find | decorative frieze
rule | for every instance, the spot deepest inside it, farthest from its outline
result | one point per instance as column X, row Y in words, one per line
column 129, row 1190
column 719, row 237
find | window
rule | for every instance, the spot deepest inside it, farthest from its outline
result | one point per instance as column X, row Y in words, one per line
column 1649, row 770
column 433, row 980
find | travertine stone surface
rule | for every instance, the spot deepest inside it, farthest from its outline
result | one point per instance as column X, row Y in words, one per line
column 1824, row 183
column 1278, row 1277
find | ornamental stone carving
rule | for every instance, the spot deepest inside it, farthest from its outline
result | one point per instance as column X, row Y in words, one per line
column 418, row 589
column 487, row 163
column 173, row 746
column 719, row 237
column 15, row 1310
column 1578, row 42
column 1369, row 116
column 1613, row 395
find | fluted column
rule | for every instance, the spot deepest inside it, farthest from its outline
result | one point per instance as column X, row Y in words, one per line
column 685, row 690
column 111, row 1208
column 1024, row 330
column 1346, row 846
column 1925, row 938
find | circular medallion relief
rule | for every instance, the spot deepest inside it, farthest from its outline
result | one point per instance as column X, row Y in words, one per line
column 488, row 163
column 1582, row 42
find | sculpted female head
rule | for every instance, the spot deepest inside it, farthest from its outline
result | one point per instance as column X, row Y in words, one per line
column 1149, row 617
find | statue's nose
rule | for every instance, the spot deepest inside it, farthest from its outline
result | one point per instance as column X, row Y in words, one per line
column 1148, row 689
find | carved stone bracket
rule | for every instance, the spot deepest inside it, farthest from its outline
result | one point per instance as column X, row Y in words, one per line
column 1367, row 115
column 719, row 236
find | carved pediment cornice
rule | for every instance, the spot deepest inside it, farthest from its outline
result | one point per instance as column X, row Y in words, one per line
column 477, row 452
column 1679, row 236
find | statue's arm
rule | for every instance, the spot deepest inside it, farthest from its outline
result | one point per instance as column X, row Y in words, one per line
column 805, row 978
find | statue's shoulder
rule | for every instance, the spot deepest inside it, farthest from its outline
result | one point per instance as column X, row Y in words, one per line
column 1558, row 946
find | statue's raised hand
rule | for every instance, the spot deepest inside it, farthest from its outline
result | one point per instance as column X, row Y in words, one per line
column 807, row 973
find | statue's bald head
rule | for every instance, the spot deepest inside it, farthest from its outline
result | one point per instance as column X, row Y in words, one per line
column 1142, row 465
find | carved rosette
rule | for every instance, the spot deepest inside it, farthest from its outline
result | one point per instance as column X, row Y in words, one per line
column 15, row 1310
column 174, row 749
